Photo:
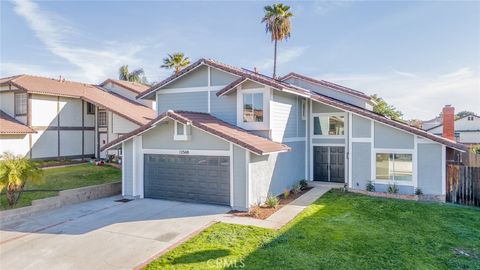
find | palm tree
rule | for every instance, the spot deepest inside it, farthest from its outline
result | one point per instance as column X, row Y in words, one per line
column 178, row 61
column 134, row 76
column 277, row 22
column 15, row 171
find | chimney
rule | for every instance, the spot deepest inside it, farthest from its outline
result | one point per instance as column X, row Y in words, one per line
column 448, row 122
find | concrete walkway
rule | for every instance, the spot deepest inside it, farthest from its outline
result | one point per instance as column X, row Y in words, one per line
column 287, row 212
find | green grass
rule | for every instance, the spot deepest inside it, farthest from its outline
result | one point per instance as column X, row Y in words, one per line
column 342, row 231
column 65, row 178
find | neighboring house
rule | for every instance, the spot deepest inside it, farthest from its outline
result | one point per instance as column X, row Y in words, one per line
column 230, row 136
column 466, row 129
column 45, row 118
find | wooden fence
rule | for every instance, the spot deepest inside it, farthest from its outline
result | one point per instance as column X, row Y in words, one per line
column 463, row 184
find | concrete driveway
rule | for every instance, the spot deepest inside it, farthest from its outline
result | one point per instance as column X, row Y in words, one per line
column 101, row 234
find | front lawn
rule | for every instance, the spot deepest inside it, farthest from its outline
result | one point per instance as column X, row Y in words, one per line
column 342, row 231
column 65, row 178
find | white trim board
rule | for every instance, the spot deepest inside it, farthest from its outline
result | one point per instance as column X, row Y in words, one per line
column 187, row 152
column 190, row 89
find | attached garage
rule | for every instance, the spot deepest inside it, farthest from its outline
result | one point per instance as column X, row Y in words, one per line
column 202, row 179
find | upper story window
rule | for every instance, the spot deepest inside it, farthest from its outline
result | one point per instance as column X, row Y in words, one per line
column 329, row 125
column 20, row 104
column 102, row 118
column 470, row 118
column 394, row 166
column 252, row 107
column 304, row 109
column 181, row 132
column 90, row 108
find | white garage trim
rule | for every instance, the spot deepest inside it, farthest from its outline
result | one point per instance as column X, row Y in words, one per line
column 188, row 152
column 231, row 172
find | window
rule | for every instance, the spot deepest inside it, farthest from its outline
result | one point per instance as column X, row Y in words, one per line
column 470, row 118
column 330, row 125
column 102, row 119
column 304, row 109
column 181, row 132
column 398, row 167
column 20, row 103
column 253, row 107
column 90, row 108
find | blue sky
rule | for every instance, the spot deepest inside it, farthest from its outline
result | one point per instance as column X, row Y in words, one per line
column 419, row 56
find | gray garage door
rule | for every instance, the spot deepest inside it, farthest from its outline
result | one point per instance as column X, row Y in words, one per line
column 204, row 179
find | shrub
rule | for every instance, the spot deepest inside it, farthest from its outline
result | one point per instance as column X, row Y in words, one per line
column 296, row 188
column 254, row 211
column 272, row 201
column 392, row 188
column 286, row 193
column 418, row 191
column 370, row 186
column 303, row 184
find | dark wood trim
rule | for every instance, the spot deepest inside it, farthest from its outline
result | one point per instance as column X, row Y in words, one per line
column 62, row 128
column 58, row 125
column 15, row 114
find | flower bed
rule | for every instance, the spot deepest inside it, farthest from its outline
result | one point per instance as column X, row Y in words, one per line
column 265, row 211
column 410, row 197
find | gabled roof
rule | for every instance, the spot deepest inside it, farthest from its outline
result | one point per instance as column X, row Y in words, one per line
column 9, row 125
column 134, row 87
column 130, row 110
column 214, row 126
column 437, row 126
column 327, row 84
column 287, row 87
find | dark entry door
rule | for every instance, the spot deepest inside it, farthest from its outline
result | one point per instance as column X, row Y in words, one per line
column 329, row 163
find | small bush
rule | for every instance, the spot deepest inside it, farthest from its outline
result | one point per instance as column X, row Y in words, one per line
column 418, row 191
column 370, row 186
column 303, row 184
column 392, row 189
column 296, row 188
column 272, row 201
column 254, row 211
column 286, row 194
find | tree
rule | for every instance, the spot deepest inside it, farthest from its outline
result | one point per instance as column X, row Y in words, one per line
column 134, row 76
column 383, row 108
column 177, row 61
column 277, row 23
column 15, row 171
column 463, row 114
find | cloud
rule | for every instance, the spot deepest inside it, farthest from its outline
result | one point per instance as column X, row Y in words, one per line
column 62, row 39
column 418, row 96
column 284, row 56
column 323, row 7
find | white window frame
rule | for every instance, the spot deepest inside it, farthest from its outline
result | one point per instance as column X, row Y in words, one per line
column 393, row 181
column 329, row 115
column 180, row 137
column 265, row 125
column 106, row 118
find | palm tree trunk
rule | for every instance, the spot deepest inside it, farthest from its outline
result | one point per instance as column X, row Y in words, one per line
column 275, row 59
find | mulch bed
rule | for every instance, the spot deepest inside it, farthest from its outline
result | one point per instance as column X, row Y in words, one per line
column 266, row 211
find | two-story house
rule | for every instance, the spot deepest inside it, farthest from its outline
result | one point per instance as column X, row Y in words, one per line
column 44, row 118
column 231, row 136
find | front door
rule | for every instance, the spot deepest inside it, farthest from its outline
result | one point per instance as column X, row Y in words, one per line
column 329, row 163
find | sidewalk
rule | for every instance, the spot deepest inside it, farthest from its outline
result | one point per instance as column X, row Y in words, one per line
column 286, row 213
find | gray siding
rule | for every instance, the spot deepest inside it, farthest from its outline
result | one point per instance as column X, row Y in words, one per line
column 193, row 101
column 361, row 164
column 388, row 137
column 430, row 168
column 286, row 115
column 301, row 122
column 361, row 127
column 127, row 160
column 161, row 137
column 251, row 85
column 329, row 92
column 196, row 78
column 218, row 77
column 224, row 107
column 272, row 174
column 322, row 108
column 239, row 178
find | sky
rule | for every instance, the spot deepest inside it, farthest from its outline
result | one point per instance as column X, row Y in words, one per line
column 418, row 56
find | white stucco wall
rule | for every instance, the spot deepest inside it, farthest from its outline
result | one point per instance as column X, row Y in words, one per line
column 7, row 102
column 17, row 144
column 121, row 125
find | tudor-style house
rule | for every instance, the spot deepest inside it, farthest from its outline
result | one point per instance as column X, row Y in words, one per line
column 45, row 118
column 231, row 136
